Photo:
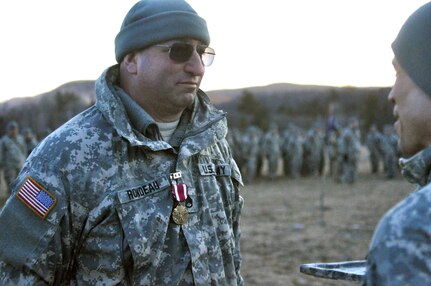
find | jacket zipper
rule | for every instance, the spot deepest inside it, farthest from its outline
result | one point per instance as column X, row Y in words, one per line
column 205, row 127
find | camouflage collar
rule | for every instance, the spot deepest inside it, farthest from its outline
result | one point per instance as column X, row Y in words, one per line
column 113, row 109
column 416, row 169
column 110, row 104
column 139, row 118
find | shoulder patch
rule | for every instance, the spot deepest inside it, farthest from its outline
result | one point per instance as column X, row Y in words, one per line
column 37, row 198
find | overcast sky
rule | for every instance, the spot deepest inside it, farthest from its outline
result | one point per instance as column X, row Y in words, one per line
column 47, row 43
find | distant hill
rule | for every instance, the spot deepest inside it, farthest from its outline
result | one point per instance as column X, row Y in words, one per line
column 283, row 103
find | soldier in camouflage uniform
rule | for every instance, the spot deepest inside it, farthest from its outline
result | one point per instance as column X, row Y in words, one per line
column 13, row 153
column 292, row 152
column 372, row 142
column 286, row 139
column 113, row 197
column 332, row 153
column 311, row 153
column 30, row 140
column 234, row 138
column 389, row 152
column 348, row 151
column 272, row 150
column 400, row 250
column 251, row 147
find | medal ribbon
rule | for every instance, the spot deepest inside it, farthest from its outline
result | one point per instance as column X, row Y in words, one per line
column 179, row 192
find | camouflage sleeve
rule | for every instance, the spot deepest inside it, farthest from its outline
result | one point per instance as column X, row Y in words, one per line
column 31, row 251
column 400, row 250
column 399, row 262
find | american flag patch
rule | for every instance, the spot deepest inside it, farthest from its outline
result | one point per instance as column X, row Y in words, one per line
column 36, row 197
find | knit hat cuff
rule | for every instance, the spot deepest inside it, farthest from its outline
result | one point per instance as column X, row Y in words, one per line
column 159, row 28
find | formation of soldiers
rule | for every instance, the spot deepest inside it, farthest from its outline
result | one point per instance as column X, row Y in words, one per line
column 295, row 152
column 14, row 149
column 383, row 150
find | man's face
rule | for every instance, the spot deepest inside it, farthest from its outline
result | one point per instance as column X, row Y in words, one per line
column 412, row 110
column 165, row 86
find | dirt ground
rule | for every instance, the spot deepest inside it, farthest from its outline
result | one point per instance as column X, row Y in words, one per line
column 284, row 224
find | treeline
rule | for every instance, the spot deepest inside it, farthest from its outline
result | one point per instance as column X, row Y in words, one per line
column 310, row 108
column 46, row 112
column 283, row 104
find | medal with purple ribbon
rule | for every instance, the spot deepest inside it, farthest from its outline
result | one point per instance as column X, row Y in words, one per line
column 180, row 214
column 179, row 192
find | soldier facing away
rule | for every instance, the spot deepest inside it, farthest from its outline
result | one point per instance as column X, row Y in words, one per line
column 373, row 143
column 141, row 188
column 30, row 140
column 400, row 250
column 272, row 150
column 13, row 153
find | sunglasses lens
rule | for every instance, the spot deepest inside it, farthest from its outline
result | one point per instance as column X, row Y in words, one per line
column 207, row 56
column 180, row 52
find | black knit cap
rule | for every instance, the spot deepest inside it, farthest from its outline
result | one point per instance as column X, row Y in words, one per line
column 412, row 47
column 151, row 22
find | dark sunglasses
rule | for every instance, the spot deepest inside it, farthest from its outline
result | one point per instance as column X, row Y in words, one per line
column 182, row 52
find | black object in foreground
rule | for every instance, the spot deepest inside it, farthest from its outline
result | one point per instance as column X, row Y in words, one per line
column 345, row 270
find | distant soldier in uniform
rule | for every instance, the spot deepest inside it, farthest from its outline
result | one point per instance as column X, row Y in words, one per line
column 140, row 188
column 332, row 152
column 311, row 154
column 30, row 140
column 251, row 147
column 348, row 155
column 354, row 125
column 13, row 153
column 296, row 145
column 292, row 152
column 400, row 250
column 393, row 140
column 261, row 155
column 389, row 150
column 373, row 141
column 272, row 150
column 234, row 139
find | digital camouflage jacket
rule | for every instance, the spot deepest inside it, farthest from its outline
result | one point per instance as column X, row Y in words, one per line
column 400, row 251
column 92, row 205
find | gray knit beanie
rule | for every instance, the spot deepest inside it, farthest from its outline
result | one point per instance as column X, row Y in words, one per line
column 154, row 21
column 412, row 47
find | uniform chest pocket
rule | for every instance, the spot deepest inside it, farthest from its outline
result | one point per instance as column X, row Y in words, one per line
column 215, row 183
column 144, row 214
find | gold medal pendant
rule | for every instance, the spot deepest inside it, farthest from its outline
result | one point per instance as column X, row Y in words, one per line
column 180, row 215
column 179, row 191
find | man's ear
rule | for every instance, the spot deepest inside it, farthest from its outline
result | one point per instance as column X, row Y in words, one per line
column 130, row 63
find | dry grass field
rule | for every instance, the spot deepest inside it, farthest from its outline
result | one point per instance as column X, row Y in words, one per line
column 284, row 224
